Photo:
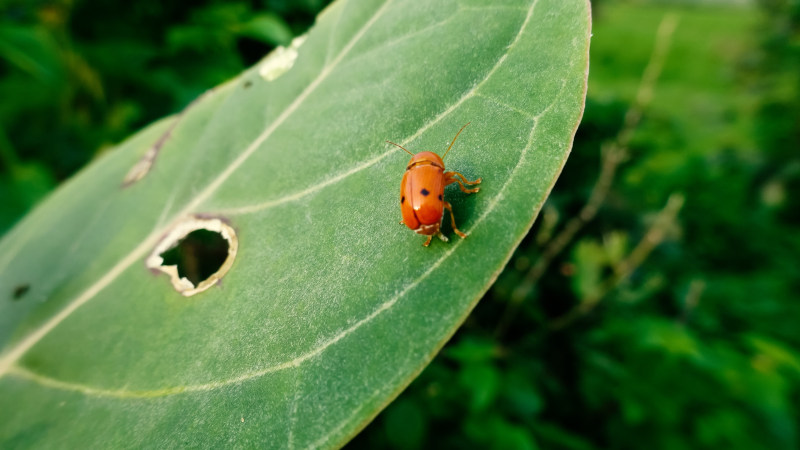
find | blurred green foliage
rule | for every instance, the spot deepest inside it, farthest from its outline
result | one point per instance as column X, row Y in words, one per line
column 694, row 346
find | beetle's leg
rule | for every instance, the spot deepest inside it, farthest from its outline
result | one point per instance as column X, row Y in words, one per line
column 428, row 241
column 442, row 237
column 453, row 220
column 463, row 178
column 450, row 177
column 402, row 223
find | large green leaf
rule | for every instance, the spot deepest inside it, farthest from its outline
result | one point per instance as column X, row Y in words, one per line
column 330, row 307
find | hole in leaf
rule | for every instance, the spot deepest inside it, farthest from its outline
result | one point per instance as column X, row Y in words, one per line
column 20, row 291
column 196, row 254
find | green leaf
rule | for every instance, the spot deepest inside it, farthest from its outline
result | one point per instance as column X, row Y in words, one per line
column 32, row 50
column 482, row 382
column 590, row 259
column 328, row 308
column 268, row 28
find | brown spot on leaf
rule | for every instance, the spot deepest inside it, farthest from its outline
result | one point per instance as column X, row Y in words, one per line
column 145, row 163
column 20, row 291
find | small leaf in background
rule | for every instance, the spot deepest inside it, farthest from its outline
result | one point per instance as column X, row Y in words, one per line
column 589, row 260
column 481, row 382
column 774, row 355
column 616, row 246
column 671, row 338
column 32, row 50
column 521, row 394
column 268, row 28
column 472, row 350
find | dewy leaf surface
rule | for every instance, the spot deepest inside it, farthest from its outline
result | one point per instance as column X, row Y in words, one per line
column 330, row 307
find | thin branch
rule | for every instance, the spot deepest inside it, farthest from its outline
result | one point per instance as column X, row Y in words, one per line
column 550, row 217
column 8, row 155
column 692, row 299
column 613, row 153
column 622, row 270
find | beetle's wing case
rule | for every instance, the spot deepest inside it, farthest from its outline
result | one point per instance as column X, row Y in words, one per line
column 405, row 202
column 426, row 192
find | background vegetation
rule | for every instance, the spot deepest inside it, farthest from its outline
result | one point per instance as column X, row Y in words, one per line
column 653, row 305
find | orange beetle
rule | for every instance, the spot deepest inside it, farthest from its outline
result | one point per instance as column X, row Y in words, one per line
column 422, row 192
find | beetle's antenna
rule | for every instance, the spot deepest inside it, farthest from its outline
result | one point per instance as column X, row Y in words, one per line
column 401, row 147
column 454, row 139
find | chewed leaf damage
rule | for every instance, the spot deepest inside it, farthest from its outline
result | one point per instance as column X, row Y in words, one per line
column 174, row 237
column 145, row 163
column 280, row 60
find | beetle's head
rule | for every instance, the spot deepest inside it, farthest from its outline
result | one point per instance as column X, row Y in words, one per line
column 427, row 157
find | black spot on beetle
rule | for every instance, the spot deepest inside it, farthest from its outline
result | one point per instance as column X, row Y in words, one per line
column 424, row 192
column 440, row 197
column 402, row 199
